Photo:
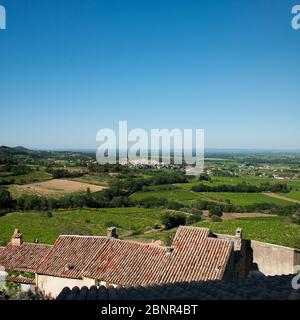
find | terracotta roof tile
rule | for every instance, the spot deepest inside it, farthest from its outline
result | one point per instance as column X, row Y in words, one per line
column 195, row 256
column 20, row 280
column 127, row 263
column 70, row 255
column 25, row 257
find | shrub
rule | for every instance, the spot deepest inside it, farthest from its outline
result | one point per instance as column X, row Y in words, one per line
column 193, row 218
column 215, row 211
column 168, row 238
column 49, row 214
column 215, row 218
column 173, row 220
column 137, row 232
column 204, row 177
column 111, row 223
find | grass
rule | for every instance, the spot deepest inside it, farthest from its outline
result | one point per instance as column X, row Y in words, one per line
column 132, row 224
column 36, row 224
column 176, row 194
column 101, row 180
column 254, row 180
column 33, row 176
column 272, row 229
column 294, row 194
column 184, row 194
column 245, row 199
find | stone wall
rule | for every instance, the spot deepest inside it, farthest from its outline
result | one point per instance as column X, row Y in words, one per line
column 271, row 259
column 267, row 258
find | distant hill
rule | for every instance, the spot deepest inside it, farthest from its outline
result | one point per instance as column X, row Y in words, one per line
column 7, row 151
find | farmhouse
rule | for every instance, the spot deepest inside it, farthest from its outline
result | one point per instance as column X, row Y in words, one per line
column 196, row 254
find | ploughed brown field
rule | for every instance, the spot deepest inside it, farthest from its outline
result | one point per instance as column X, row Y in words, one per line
column 58, row 186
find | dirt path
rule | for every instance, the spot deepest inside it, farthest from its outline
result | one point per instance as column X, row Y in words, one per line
column 228, row 216
column 279, row 196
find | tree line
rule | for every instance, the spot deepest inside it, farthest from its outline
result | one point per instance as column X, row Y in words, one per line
column 243, row 187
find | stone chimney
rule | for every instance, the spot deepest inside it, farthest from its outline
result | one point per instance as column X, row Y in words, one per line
column 69, row 267
column 17, row 238
column 112, row 232
column 238, row 239
column 169, row 251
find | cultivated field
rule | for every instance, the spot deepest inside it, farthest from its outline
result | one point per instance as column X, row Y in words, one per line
column 245, row 199
column 176, row 194
column 97, row 179
column 57, row 186
column 184, row 194
column 26, row 178
column 273, row 229
column 37, row 224
column 138, row 224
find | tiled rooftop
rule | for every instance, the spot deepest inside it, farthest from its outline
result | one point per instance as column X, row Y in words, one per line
column 70, row 255
column 20, row 280
column 194, row 256
column 126, row 262
column 25, row 257
column 265, row 288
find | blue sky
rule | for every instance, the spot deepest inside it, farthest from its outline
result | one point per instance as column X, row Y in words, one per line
column 69, row 68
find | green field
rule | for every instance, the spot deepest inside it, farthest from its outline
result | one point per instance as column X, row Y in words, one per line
column 33, row 176
column 176, row 194
column 101, row 180
column 294, row 194
column 133, row 222
column 35, row 224
column 273, row 230
column 244, row 199
column 254, row 180
column 184, row 194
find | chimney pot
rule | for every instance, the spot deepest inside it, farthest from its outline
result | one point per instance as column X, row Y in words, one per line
column 112, row 232
column 238, row 239
column 69, row 266
column 17, row 238
column 239, row 233
column 169, row 251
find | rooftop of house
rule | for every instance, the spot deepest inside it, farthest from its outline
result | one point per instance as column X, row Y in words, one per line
column 264, row 288
column 195, row 254
column 20, row 256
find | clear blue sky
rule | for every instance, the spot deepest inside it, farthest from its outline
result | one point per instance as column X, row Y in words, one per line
column 69, row 68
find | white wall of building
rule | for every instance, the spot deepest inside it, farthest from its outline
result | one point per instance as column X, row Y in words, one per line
column 273, row 260
column 52, row 286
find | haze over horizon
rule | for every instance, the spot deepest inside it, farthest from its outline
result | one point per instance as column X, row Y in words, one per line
column 231, row 68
